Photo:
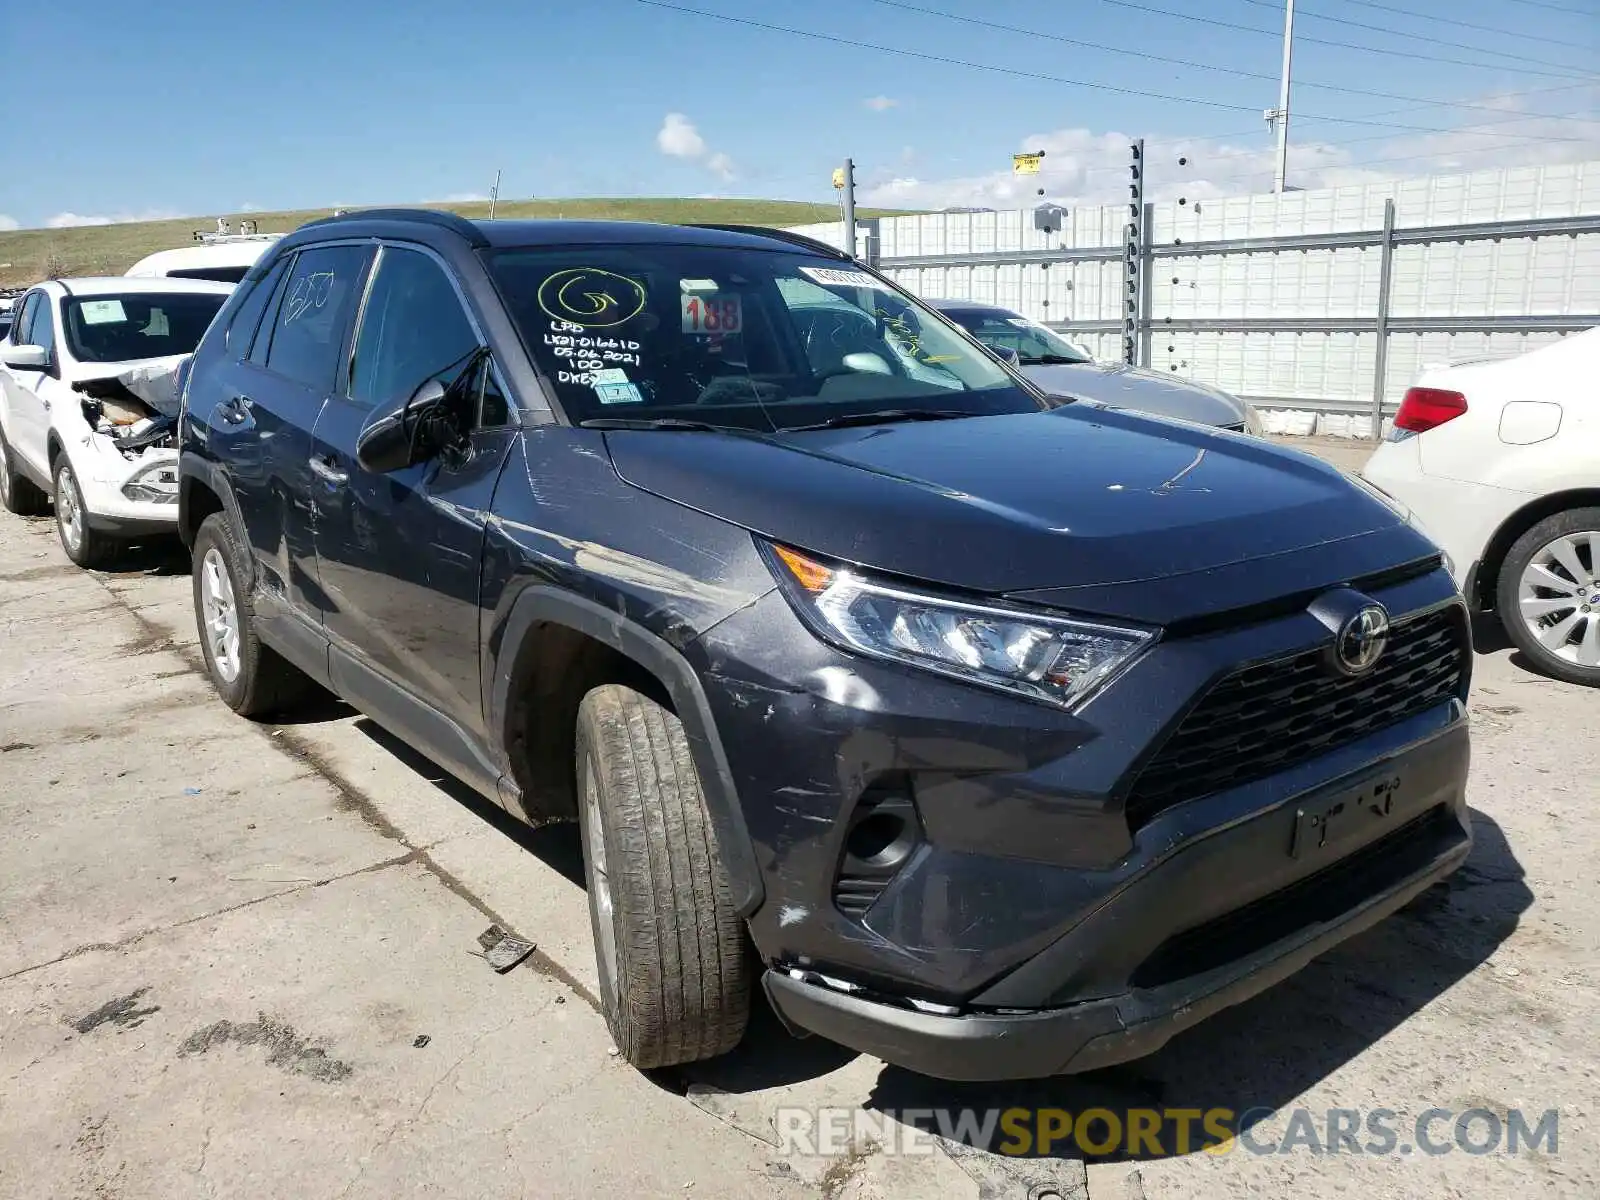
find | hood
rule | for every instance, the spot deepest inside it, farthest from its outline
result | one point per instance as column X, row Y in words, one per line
column 1072, row 498
column 1120, row 386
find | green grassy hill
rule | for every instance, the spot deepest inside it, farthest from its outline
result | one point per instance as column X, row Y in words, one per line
column 34, row 254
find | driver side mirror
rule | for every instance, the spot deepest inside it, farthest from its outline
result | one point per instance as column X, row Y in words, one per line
column 411, row 433
column 25, row 358
column 1008, row 355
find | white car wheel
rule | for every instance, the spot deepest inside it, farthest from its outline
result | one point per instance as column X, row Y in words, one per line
column 1558, row 598
column 1549, row 595
column 84, row 545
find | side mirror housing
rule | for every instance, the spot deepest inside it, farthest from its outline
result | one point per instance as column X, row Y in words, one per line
column 25, row 358
column 401, row 437
column 1009, row 355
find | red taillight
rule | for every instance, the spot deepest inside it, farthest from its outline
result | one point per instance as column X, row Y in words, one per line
column 1427, row 408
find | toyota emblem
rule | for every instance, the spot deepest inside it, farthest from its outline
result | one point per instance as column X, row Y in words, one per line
column 1361, row 640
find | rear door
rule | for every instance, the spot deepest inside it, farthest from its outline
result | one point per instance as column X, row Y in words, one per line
column 279, row 369
column 398, row 554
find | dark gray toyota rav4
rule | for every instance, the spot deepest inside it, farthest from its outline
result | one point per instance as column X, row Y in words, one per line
column 1014, row 735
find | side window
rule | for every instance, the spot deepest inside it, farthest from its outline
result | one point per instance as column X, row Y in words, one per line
column 247, row 316
column 21, row 318
column 413, row 329
column 41, row 330
column 262, row 342
column 308, row 329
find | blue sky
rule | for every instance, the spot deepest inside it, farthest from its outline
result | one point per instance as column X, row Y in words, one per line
column 183, row 108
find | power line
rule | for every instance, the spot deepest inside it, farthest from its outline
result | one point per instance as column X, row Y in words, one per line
column 1179, row 62
column 1410, row 55
column 1393, row 32
column 1571, row 12
column 1019, row 73
column 1411, row 12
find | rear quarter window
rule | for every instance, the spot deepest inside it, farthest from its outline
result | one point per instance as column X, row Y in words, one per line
column 247, row 317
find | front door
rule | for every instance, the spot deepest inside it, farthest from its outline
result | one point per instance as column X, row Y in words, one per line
column 398, row 554
column 27, row 400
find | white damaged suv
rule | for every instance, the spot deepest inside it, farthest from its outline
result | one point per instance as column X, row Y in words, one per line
column 89, row 379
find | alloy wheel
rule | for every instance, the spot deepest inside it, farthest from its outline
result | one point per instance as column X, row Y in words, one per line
column 1558, row 597
column 221, row 627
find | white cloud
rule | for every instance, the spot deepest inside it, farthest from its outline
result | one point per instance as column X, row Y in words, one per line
column 678, row 138
column 247, row 207
column 466, row 198
column 881, row 103
column 1082, row 167
column 7, row 224
column 72, row 220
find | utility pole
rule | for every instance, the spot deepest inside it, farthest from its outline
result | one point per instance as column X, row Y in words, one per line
column 845, row 180
column 1278, row 117
column 494, row 194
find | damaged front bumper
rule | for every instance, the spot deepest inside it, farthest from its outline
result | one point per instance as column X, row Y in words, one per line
column 128, row 464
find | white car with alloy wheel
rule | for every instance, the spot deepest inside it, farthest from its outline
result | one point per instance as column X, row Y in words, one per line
column 89, row 378
column 1499, row 462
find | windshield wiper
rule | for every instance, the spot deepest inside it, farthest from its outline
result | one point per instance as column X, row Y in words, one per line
column 1052, row 360
column 882, row 417
column 655, row 423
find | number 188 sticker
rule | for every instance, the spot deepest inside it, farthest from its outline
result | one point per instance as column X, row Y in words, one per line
column 715, row 312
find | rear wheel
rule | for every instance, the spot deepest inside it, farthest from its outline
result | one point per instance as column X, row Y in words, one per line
column 85, row 546
column 252, row 679
column 1548, row 595
column 670, row 946
column 18, row 493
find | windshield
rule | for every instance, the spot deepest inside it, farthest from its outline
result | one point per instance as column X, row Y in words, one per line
column 751, row 339
column 1033, row 343
column 128, row 327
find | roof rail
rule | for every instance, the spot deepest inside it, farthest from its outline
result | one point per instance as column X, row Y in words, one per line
column 781, row 235
column 422, row 216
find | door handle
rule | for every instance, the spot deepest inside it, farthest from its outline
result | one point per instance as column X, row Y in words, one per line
column 325, row 468
column 235, row 411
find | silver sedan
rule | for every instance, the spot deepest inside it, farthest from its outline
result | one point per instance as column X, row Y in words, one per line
column 1061, row 369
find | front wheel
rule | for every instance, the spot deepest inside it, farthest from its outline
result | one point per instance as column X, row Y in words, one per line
column 87, row 547
column 252, row 678
column 670, row 946
column 1548, row 595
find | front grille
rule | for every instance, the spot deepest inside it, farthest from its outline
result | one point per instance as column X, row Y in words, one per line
column 1272, row 716
column 1323, row 896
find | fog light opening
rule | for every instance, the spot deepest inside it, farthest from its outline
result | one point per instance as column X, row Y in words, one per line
column 882, row 839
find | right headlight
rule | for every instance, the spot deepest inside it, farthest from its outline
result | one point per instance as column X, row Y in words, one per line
column 1056, row 660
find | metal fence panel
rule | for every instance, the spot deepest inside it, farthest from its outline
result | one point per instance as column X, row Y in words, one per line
column 1491, row 263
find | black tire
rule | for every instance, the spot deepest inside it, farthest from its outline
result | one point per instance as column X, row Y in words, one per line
column 90, row 548
column 681, row 991
column 264, row 682
column 18, row 493
column 1507, row 587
